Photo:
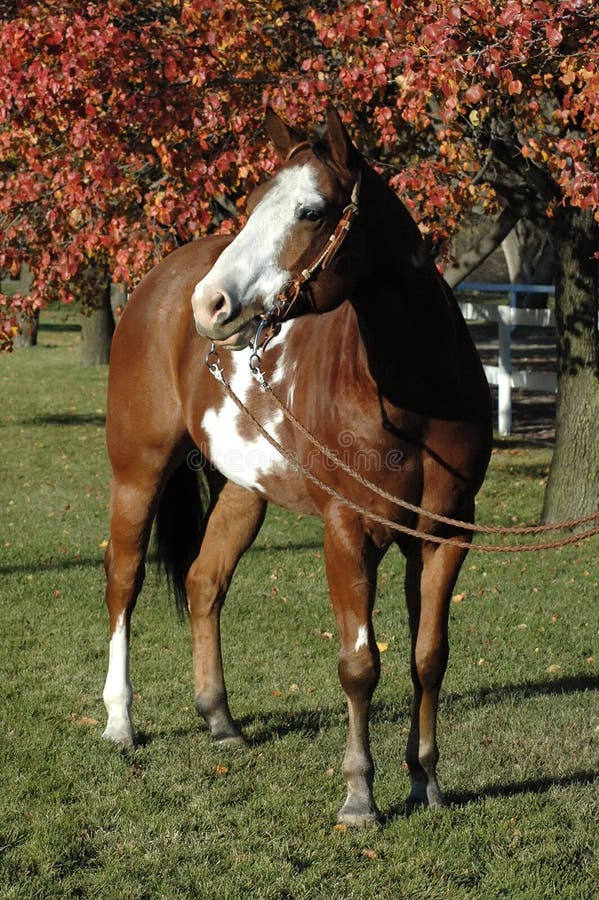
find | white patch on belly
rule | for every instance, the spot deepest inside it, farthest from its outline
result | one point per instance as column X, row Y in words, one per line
column 362, row 639
column 246, row 462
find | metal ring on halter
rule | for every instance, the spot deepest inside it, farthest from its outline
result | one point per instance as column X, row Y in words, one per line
column 214, row 364
column 265, row 322
column 256, row 369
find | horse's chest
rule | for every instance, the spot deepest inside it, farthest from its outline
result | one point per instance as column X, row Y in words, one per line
column 235, row 445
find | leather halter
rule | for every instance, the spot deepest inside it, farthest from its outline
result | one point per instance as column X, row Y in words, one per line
column 294, row 289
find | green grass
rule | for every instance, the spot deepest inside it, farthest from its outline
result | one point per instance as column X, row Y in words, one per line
column 177, row 817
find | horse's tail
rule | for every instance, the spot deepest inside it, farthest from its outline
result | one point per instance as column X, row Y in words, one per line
column 179, row 529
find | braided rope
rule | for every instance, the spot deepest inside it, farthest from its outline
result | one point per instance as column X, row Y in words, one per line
column 394, row 526
column 437, row 517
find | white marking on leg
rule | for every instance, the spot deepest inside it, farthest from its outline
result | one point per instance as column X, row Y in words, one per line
column 362, row 639
column 118, row 694
column 247, row 462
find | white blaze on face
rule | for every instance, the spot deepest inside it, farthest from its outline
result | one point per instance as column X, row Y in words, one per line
column 249, row 269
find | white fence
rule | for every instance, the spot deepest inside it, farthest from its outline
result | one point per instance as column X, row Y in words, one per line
column 502, row 375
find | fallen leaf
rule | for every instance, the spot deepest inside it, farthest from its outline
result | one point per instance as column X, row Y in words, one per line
column 84, row 720
column 457, row 598
column 370, row 854
column 554, row 667
column 382, row 647
column 328, row 635
column 103, row 545
column 221, row 770
column 276, row 693
column 340, row 827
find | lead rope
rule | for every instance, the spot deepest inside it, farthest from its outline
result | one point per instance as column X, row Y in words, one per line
column 215, row 367
column 437, row 517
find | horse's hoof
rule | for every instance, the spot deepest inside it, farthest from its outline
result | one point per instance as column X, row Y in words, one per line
column 230, row 740
column 425, row 795
column 436, row 800
column 359, row 815
column 123, row 737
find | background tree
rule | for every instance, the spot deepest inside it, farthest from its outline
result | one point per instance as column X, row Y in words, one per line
column 123, row 129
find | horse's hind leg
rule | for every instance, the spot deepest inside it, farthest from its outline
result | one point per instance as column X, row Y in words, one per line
column 430, row 577
column 351, row 562
column 232, row 526
column 131, row 513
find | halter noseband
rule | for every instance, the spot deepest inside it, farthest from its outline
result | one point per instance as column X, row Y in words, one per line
column 288, row 296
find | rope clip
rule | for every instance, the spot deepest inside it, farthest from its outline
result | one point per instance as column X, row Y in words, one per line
column 214, row 364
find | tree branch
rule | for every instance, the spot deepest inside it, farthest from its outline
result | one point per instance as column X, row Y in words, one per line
column 482, row 247
column 541, row 183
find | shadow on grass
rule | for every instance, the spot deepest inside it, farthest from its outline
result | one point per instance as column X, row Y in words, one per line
column 52, row 565
column 490, row 695
column 66, row 419
column 515, row 788
column 510, row 789
column 262, row 728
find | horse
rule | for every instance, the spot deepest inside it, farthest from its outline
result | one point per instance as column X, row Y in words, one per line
column 369, row 352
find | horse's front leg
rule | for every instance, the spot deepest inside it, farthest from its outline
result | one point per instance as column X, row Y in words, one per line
column 431, row 573
column 232, row 526
column 351, row 564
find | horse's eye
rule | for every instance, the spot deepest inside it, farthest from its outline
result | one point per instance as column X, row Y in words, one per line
column 308, row 214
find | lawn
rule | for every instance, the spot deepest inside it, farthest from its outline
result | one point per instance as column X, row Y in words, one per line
column 519, row 720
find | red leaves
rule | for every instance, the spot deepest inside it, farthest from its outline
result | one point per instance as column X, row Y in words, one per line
column 511, row 13
column 474, row 94
column 118, row 133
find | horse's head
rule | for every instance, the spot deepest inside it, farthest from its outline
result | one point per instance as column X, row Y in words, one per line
column 279, row 258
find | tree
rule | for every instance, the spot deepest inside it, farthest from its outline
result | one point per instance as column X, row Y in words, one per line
column 501, row 102
column 529, row 258
column 123, row 127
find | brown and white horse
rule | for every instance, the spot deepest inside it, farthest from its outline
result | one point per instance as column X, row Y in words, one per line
column 388, row 379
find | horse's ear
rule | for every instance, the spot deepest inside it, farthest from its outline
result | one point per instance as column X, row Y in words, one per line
column 283, row 136
column 343, row 152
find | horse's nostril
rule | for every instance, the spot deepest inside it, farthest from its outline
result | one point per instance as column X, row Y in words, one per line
column 219, row 307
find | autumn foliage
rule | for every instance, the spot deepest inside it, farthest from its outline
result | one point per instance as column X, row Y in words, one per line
column 127, row 128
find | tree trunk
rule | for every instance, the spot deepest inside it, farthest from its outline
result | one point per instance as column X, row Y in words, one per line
column 489, row 237
column 528, row 255
column 28, row 329
column 573, row 486
column 97, row 320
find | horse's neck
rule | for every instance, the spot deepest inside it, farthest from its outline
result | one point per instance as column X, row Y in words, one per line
column 415, row 343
